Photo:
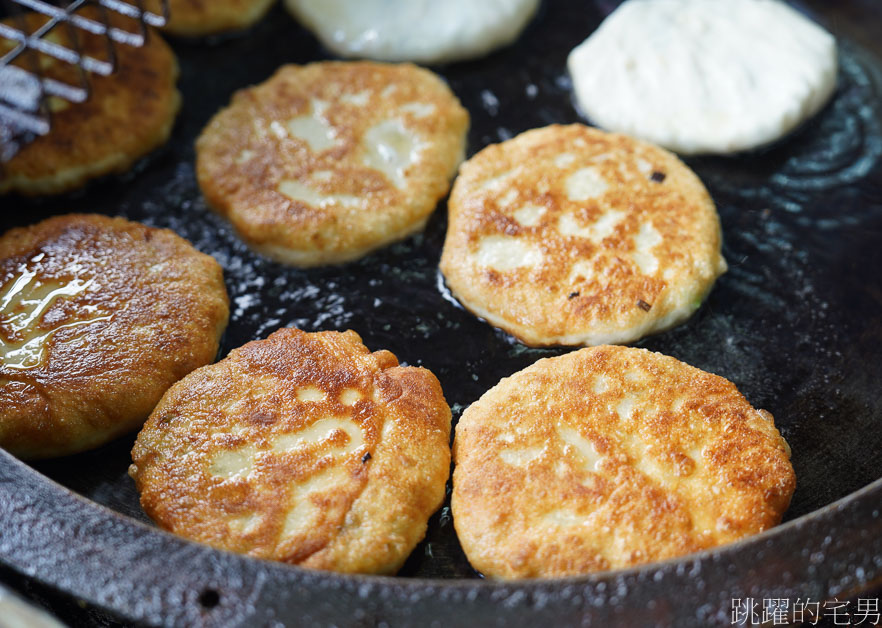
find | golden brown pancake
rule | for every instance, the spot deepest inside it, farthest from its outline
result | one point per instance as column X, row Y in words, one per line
column 566, row 235
column 304, row 448
column 127, row 115
column 325, row 162
column 194, row 18
column 98, row 317
column 610, row 457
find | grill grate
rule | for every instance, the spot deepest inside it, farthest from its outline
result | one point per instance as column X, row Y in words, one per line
column 25, row 90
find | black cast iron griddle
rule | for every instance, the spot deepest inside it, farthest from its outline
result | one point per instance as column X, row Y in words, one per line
column 796, row 323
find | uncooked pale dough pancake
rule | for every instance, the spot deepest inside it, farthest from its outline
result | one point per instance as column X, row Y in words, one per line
column 305, row 448
column 98, row 317
column 193, row 18
column 611, row 457
column 325, row 162
column 704, row 77
column 127, row 115
column 567, row 235
column 422, row 31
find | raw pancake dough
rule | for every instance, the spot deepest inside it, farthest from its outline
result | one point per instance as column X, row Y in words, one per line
column 422, row 31
column 697, row 76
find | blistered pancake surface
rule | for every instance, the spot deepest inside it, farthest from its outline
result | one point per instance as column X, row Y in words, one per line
column 98, row 317
column 610, row 457
column 305, row 448
column 568, row 235
column 323, row 163
column 127, row 115
column 193, row 18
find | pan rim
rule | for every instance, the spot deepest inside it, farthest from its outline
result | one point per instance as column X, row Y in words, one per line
column 16, row 508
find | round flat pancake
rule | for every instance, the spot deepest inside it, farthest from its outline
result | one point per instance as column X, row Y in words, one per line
column 98, row 317
column 704, row 77
column 325, row 162
column 127, row 115
column 567, row 235
column 195, row 18
column 304, row 448
column 422, row 31
column 610, row 457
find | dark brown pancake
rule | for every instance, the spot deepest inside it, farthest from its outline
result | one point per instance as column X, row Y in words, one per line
column 99, row 317
column 127, row 115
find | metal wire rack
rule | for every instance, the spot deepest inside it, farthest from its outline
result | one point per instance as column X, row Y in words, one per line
column 25, row 90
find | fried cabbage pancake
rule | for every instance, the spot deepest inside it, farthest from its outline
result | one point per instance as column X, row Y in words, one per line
column 304, row 448
column 610, row 457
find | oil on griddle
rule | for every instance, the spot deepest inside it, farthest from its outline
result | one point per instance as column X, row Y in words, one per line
column 796, row 323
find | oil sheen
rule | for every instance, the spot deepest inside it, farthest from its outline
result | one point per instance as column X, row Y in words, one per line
column 25, row 299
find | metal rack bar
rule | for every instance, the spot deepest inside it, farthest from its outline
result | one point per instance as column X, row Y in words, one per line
column 25, row 90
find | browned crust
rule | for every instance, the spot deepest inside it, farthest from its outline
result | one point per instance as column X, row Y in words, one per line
column 551, row 480
column 246, row 191
column 551, row 304
column 388, row 483
column 127, row 115
column 195, row 18
column 154, row 311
